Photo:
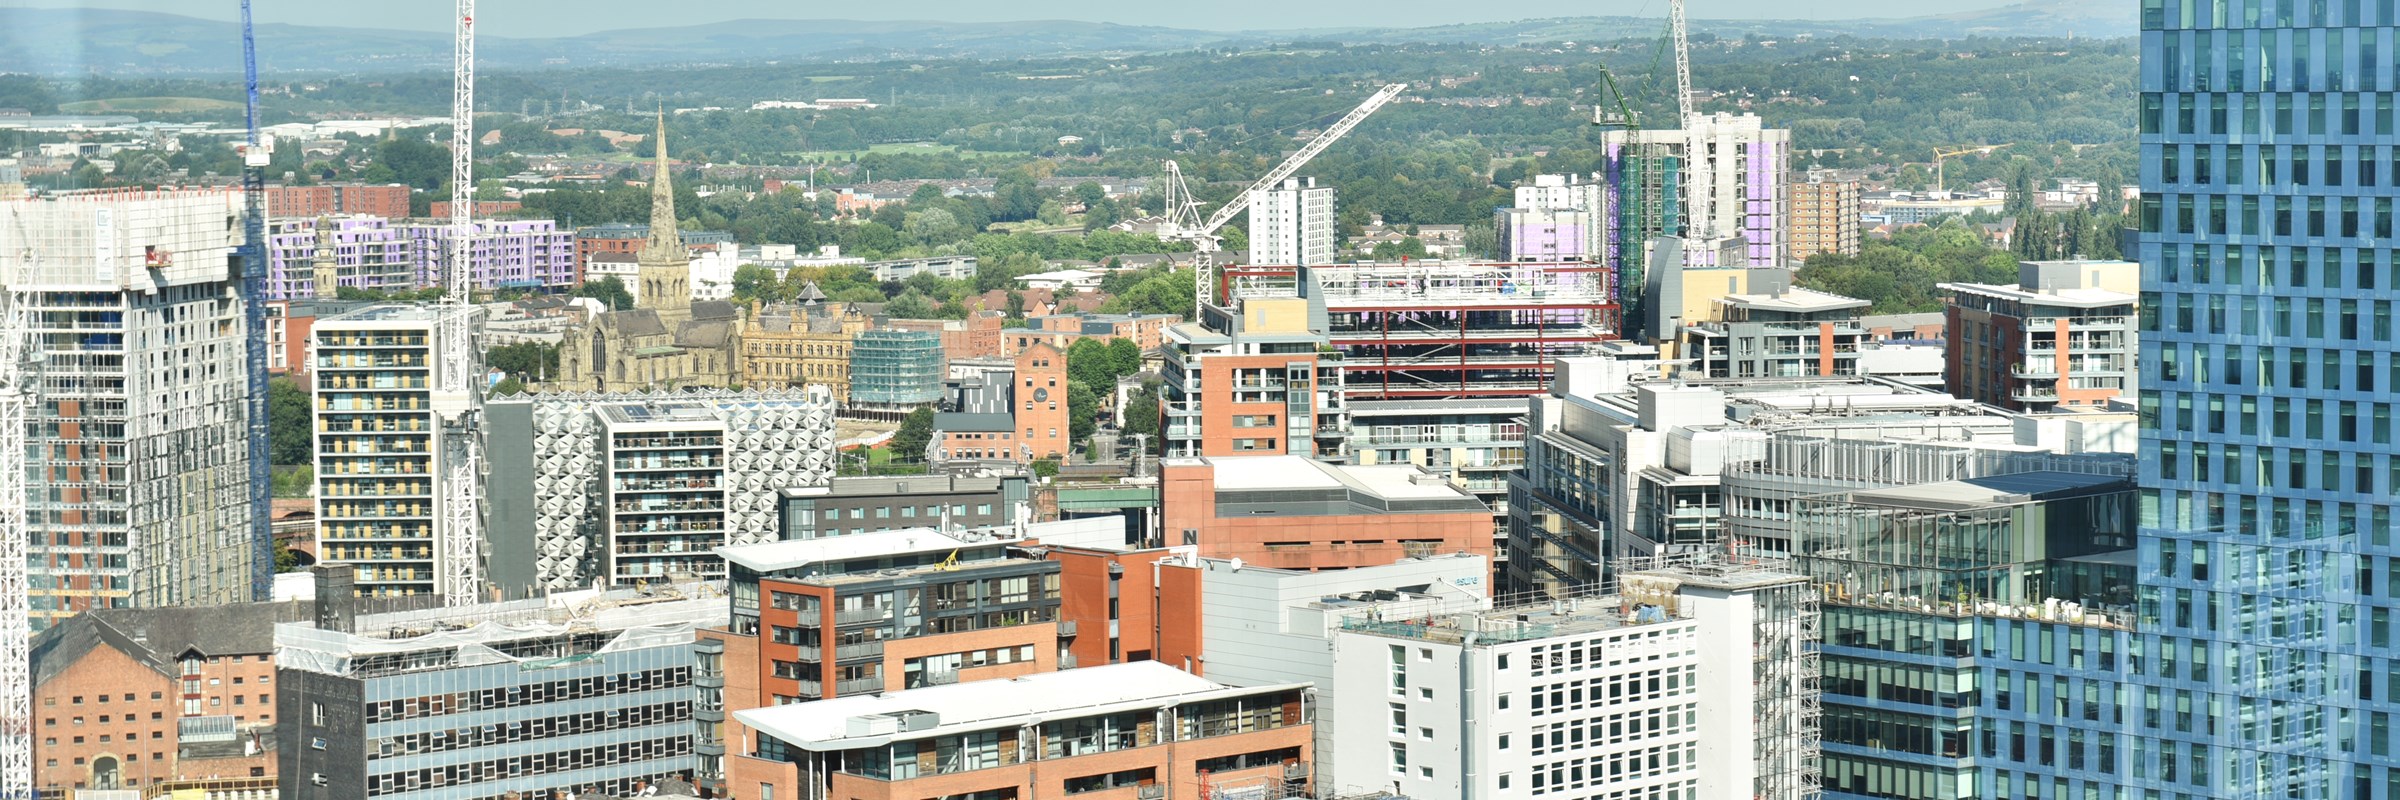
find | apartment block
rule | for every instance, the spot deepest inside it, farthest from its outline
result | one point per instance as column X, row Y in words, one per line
column 1292, row 224
column 140, row 496
column 1788, row 334
column 311, row 257
column 1128, row 730
column 1824, row 218
column 1476, row 442
column 1587, row 194
column 1061, row 330
column 378, row 407
column 502, row 254
column 881, row 612
column 1545, row 235
column 1297, row 513
column 560, row 470
column 574, row 692
column 1253, row 382
column 2064, row 335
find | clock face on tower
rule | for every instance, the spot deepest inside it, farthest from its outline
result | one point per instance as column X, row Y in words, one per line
column 1041, row 395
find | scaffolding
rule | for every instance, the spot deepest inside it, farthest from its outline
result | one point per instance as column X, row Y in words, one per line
column 895, row 369
column 1645, row 200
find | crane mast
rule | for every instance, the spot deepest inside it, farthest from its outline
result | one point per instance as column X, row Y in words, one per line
column 1700, row 221
column 1205, row 234
column 459, row 400
column 254, row 306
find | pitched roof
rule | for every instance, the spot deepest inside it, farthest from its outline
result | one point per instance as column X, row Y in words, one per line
column 715, row 310
column 637, row 322
column 158, row 637
column 704, row 333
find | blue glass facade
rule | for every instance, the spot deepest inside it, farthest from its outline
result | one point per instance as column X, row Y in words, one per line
column 2269, row 367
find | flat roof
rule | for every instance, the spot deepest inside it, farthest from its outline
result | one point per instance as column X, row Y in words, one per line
column 1992, row 492
column 796, row 553
column 1795, row 299
column 847, row 723
column 1287, row 473
column 2074, row 298
column 680, row 411
column 859, row 486
column 389, row 312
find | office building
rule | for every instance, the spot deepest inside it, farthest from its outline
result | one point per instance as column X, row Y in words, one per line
column 2264, row 447
column 560, row 472
column 1428, row 330
column 169, row 686
column 379, row 407
column 2064, row 335
column 1789, row 333
column 140, row 492
column 1131, row 730
column 1693, row 681
column 578, row 691
column 895, row 370
column 1996, row 668
column 852, row 506
column 1298, row 513
column 1292, row 224
column 1824, row 218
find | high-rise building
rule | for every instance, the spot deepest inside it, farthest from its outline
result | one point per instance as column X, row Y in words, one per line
column 140, row 476
column 377, row 419
column 2063, row 335
column 314, row 256
column 1545, row 234
column 1824, row 217
column 2268, row 373
column 1292, row 225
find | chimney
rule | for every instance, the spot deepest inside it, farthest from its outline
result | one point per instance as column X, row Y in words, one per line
column 337, row 598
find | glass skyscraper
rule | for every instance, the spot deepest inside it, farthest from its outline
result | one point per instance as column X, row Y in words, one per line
column 2267, row 569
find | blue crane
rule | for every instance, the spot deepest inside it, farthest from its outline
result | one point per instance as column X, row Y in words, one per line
column 254, row 301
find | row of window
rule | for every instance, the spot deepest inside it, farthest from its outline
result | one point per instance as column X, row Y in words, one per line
column 546, row 763
column 531, row 730
column 529, row 694
column 2188, row 14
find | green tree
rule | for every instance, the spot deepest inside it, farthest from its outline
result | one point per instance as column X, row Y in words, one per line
column 286, row 559
column 1045, row 468
column 1124, row 358
column 1016, row 196
column 508, row 386
column 609, row 291
column 1083, row 406
column 754, row 282
column 916, row 431
column 523, row 359
column 911, row 305
column 1090, row 363
column 1140, row 415
column 289, row 437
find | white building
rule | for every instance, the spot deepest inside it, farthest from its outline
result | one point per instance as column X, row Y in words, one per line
column 1559, row 193
column 1292, row 225
column 1081, row 279
column 141, row 497
column 1693, row 682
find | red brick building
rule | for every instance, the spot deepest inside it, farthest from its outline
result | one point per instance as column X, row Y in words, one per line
column 1127, row 606
column 441, row 208
column 132, row 698
column 389, row 201
column 1041, row 402
column 1290, row 512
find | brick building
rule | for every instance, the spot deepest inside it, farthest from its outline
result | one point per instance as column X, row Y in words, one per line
column 1290, row 512
column 389, row 201
column 1061, row 330
column 2064, row 335
column 627, row 238
column 1119, row 731
column 1824, row 218
column 132, row 698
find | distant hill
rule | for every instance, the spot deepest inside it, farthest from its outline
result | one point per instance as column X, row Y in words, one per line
column 106, row 41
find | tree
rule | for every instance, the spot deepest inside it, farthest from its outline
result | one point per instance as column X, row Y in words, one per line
column 1016, row 303
column 286, row 559
column 289, row 440
column 911, row 305
column 754, row 282
column 1089, row 193
column 523, row 359
column 1016, row 196
column 1140, row 415
column 508, row 386
column 1124, row 358
column 1089, row 363
column 1045, row 468
column 916, row 431
column 609, row 291
column 1083, row 406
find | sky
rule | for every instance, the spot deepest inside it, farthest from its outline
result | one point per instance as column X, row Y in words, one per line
column 543, row 18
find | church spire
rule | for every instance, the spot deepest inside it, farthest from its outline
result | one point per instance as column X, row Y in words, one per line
column 666, row 244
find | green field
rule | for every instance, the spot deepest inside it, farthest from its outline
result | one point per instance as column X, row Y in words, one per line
column 148, row 105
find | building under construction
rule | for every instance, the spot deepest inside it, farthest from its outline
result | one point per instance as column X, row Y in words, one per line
column 138, row 490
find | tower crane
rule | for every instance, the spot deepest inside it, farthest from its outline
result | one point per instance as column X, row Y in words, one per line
column 1700, row 221
column 459, row 399
column 1942, row 155
column 1181, row 206
column 256, row 154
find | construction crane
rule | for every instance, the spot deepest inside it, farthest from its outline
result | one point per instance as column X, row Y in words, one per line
column 1612, row 110
column 1683, row 61
column 256, row 154
column 17, row 388
column 1942, row 155
column 1204, row 235
column 459, row 399
column 1699, row 218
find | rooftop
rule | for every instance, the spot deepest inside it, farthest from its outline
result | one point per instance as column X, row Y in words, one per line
column 914, row 484
column 954, row 422
column 1573, row 616
column 1794, row 299
column 797, row 553
column 846, row 723
column 2071, row 298
column 1298, row 486
column 628, row 413
column 1993, row 492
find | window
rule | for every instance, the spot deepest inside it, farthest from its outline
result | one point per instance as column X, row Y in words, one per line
column 1399, row 759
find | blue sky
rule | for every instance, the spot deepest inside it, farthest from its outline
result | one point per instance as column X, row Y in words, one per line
column 570, row 17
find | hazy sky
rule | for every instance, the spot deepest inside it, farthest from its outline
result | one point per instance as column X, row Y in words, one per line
column 569, row 17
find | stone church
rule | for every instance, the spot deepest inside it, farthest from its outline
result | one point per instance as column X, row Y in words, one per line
column 668, row 340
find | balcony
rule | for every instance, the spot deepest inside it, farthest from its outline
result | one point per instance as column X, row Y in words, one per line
column 1066, row 627
column 856, row 686
column 849, row 652
column 860, row 616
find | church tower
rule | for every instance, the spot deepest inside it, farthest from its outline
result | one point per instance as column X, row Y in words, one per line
column 664, row 267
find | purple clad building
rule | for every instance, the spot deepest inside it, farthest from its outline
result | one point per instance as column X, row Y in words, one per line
column 373, row 253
